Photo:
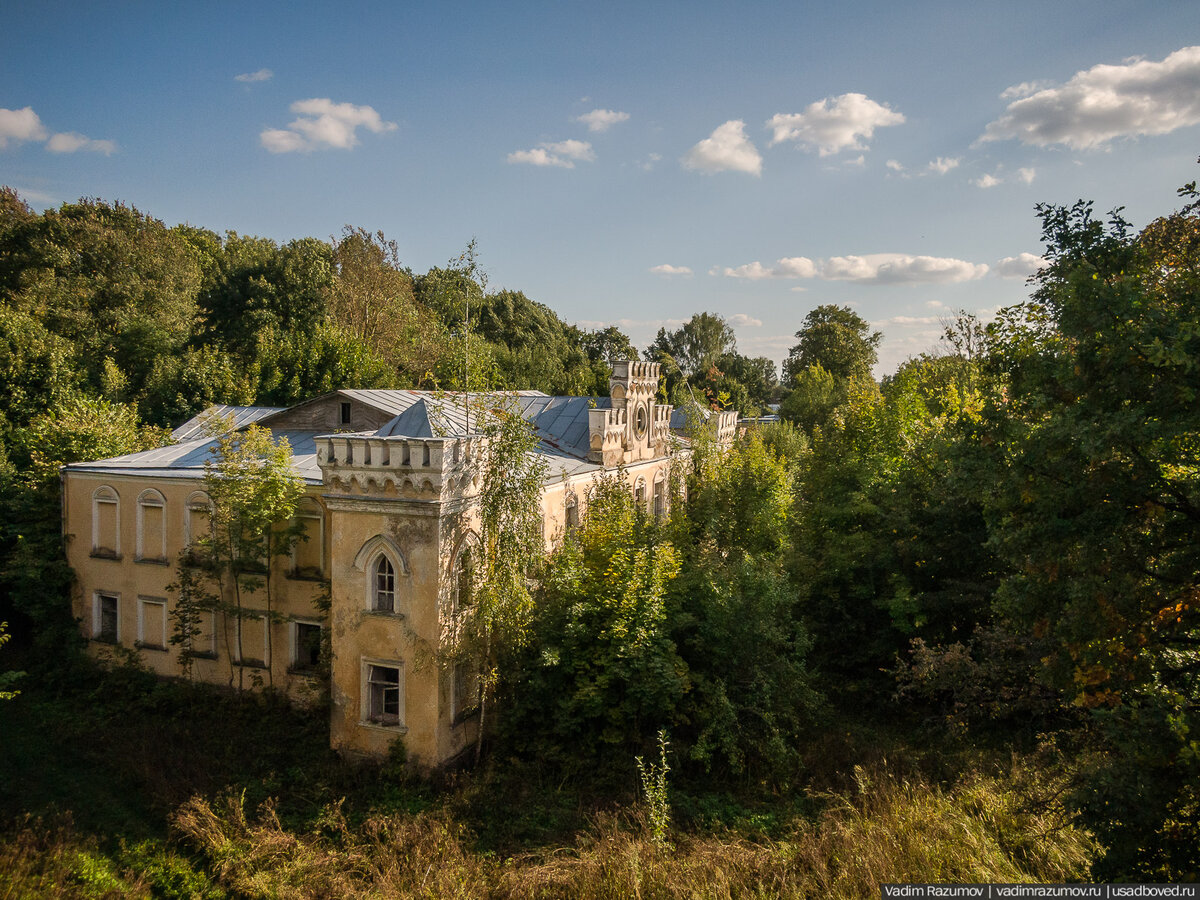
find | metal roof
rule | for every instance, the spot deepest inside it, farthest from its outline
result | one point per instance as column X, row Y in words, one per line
column 197, row 426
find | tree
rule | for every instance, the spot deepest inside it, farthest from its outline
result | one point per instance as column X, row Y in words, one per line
column 692, row 349
column 495, row 624
column 254, row 491
column 1097, row 512
column 836, row 338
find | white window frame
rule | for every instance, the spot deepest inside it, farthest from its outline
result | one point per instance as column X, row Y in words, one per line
column 374, row 576
column 151, row 498
column 97, row 616
column 367, row 562
column 143, row 643
column 365, row 708
column 295, row 647
column 106, row 494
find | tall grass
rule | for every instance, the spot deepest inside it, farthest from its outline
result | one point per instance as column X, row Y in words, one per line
column 887, row 829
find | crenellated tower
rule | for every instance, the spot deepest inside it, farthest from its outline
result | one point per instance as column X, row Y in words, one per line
column 635, row 426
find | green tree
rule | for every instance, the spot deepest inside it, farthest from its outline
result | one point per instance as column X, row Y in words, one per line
column 254, row 491
column 836, row 338
column 1096, row 512
column 687, row 353
column 511, row 546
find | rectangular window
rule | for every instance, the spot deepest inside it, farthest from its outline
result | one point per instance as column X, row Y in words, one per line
column 344, row 413
column 151, row 538
column 383, row 695
column 152, row 623
column 464, row 698
column 104, row 540
column 660, row 501
column 108, row 618
column 306, row 646
column 308, row 552
column 253, row 632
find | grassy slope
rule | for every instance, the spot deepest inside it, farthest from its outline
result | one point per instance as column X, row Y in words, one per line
column 150, row 789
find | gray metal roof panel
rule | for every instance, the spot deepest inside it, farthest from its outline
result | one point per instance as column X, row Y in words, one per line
column 241, row 415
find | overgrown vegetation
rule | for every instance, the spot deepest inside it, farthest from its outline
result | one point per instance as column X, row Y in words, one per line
column 938, row 628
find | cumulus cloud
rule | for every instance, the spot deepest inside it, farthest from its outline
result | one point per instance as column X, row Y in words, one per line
column 727, row 149
column 788, row 267
column 986, row 181
column 602, row 119
column 894, row 165
column 18, row 125
column 561, row 154
column 1021, row 266
column 666, row 269
column 649, row 162
column 834, row 124
column 1026, row 176
column 71, row 142
column 1105, row 102
column 874, row 268
column 322, row 124
column 260, row 75
column 741, row 320
column 942, row 165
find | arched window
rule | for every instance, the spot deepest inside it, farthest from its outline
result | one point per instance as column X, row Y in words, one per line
column 462, row 575
column 106, row 523
column 639, row 494
column 151, row 527
column 572, row 517
column 660, row 496
column 309, row 553
column 384, row 593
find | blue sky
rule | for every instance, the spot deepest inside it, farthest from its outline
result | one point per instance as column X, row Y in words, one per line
column 626, row 163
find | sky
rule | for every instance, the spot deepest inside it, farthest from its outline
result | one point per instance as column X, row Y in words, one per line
column 626, row 163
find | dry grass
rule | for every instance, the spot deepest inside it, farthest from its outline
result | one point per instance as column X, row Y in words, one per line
column 887, row 830
column 37, row 860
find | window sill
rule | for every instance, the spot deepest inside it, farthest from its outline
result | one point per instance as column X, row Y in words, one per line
column 111, row 641
column 206, row 655
column 157, row 647
column 305, row 576
column 250, row 663
column 388, row 729
column 106, row 554
column 152, row 561
column 384, row 613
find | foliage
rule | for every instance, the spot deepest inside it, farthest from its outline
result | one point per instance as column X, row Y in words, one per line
column 7, row 679
column 1095, row 509
column 602, row 674
column 836, row 338
column 655, row 792
column 254, row 492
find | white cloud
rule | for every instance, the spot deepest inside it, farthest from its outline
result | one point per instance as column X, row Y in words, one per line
column 900, row 268
column 602, row 119
column 726, row 149
column 666, row 269
column 943, row 164
column 1024, row 89
column 859, row 160
column 1026, row 176
column 741, row 320
column 894, row 165
column 1106, row 102
column 649, row 162
column 986, row 181
column 260, row 75
column 322, row 124
column 562, row 154
column 788, row 267
column 834, row 124
column 908, row 320
column 20, row 125
column 1021, row 266
column 874, row 268
column 70, row 142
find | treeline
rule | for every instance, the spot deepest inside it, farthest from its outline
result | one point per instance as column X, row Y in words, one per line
column 1000, row 540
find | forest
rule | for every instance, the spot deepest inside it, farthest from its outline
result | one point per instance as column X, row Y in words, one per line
column 942, row 626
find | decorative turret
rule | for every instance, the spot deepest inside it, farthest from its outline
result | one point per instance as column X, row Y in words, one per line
column 634, row 427
column 369, row 464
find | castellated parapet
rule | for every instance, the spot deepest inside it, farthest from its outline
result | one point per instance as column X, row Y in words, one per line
column 428, row 468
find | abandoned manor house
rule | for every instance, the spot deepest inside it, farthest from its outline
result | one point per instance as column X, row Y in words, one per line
column 390, row 518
